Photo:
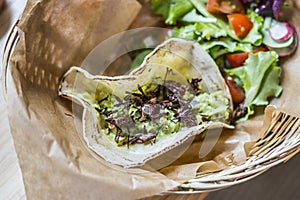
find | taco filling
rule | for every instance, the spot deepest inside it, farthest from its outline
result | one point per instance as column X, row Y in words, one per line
column 154, row 110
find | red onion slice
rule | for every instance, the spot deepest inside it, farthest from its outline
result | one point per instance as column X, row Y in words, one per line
column 287, row 51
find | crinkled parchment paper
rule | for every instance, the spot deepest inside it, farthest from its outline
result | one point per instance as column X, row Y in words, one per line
column 56, row 164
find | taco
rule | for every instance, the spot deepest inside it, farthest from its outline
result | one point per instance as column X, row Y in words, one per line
column 178, row 92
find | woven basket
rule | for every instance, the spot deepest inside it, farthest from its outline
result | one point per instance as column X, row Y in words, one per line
column 279, row 142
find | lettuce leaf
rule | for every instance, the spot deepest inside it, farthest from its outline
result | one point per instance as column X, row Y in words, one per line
column 260, row 77
column 139, row 58
column 200, row 5
column 177, row 9
column 208, row 31
column 161, row 7
column 171, row 10
column 221, row 46
column 227, row 43
column 185, row 32
column 193, row 16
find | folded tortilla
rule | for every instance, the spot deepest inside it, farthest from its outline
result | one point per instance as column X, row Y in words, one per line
column 186, row 59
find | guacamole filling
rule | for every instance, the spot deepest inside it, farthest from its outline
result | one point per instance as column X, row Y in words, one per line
column 154, row 110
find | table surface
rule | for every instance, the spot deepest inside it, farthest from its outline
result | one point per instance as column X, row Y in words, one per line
column 11, row 183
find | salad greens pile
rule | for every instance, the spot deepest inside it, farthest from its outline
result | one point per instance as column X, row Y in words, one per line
column 258, row 75
column 260, row 78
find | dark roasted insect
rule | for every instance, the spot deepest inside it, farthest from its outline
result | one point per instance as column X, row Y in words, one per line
column 143, row 97
column 149, row 107
column 141, row 138
column 103, row 111
column 148, row 110
column 164, row 88
column 169, row 104
column 175, row 92
column 117, row 122
column 195, row 84
column 186, row 115
column 151, row 110
column 176, row 88
column 239, row 111
column 104, row 99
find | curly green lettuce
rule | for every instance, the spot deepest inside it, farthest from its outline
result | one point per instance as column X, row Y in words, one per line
column 260, row 75
column 199, row 25
column 260, row 78
column 171, row 10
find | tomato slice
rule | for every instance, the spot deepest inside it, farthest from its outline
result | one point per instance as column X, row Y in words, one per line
column 213, row 7
column 224, row 6
column 260, row 48
column 237, row 59
column 240, row 23
column 237, row 93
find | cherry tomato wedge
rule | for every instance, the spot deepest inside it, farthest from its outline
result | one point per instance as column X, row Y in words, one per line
column 224, row 6
column 240, row 23
column 237, row 93
column 237, row 59
column 260, row 48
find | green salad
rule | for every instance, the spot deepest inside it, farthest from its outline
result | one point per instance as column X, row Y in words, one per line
column 245, row 38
